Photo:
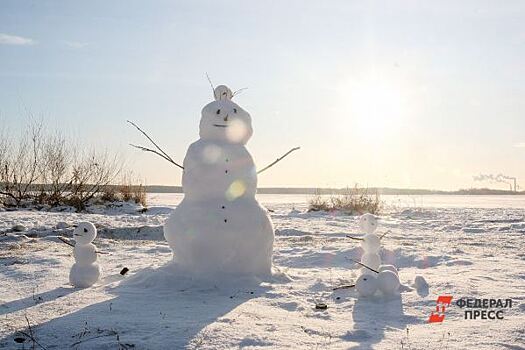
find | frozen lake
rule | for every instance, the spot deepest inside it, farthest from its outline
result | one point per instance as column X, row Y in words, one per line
column 401, row 201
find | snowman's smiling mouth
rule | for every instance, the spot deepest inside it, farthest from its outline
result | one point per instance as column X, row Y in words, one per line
column 220, row 125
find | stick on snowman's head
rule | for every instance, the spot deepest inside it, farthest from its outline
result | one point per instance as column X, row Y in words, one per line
column 224, row 120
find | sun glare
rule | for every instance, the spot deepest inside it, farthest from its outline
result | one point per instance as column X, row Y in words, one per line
column 376, row 108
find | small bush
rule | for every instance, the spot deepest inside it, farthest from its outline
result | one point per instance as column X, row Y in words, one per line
column 352, row 201
column 130, row 192
column 127, row 190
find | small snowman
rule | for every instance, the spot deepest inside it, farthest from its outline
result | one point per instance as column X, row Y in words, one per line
column 374, row 276
column 85, row 271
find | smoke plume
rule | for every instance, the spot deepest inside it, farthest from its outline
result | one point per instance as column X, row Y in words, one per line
column 499, row 178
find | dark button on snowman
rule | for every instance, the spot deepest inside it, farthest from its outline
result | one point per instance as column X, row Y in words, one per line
column 219, row 227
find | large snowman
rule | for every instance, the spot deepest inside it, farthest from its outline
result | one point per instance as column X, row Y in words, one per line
column 219, row 227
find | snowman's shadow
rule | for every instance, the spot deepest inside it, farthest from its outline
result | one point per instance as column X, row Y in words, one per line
column 373, row 317
column 149, row 311
column 35, row 299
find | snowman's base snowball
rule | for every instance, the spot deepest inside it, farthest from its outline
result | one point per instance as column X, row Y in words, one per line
column 170, row 277
column 83, row 276
column 221, row 238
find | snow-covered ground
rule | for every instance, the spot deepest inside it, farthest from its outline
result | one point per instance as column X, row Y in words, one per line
column 463, row 246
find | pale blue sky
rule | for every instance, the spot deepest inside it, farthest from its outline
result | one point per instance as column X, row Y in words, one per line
column 382, row 93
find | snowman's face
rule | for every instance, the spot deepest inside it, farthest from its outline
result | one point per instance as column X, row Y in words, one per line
column 366, row 285
column 85, row 233
column 224, row 120
column 368, row 223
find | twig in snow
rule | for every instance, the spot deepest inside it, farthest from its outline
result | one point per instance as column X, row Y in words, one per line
column 104, row 333
column 278, row 160
column 160, row 151
column 356, row 238
column 31, row 336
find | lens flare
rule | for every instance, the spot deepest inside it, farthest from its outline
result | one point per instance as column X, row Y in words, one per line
column 211, row 154
column 236, row 190
column 236, row 131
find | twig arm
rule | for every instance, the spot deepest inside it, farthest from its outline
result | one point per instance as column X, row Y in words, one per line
column 356, row 238
column 368, row 267
column 346, row 286
column 72, row 245
column 145, row 149
column 66, row 241
column 384, row 234
column 160, row 151
column 278, row 159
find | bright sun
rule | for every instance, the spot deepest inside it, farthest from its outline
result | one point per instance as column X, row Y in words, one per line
column 376, row 108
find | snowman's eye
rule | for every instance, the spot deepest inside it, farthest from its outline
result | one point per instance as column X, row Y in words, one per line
column 85, row 230
column 218, row 111
column 235, row 110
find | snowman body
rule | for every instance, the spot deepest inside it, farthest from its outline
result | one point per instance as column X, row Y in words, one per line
column 219, row 227
column 370, row 243
column 85, row 271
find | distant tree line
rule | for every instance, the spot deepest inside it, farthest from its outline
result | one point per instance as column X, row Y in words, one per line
column 45, row 168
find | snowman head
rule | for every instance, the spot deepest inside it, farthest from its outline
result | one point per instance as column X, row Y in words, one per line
column 366, row 285
column 85, row 233
column 368, row 223
column 224, row 120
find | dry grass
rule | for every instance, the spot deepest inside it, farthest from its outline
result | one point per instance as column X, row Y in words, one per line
column 127, row 190
column 352, row 202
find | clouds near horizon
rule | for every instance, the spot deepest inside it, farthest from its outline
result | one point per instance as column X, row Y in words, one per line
column 9, row 39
